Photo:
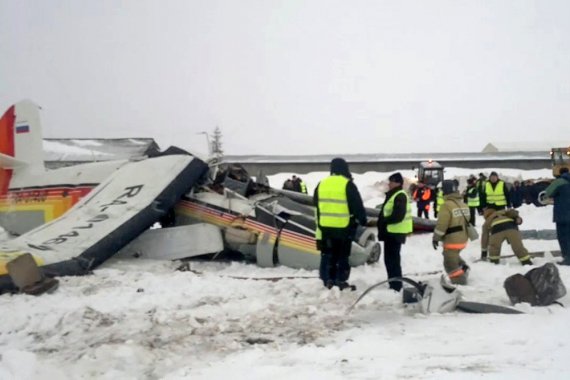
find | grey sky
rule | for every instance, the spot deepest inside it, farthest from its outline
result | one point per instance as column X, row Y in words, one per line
column 293, row 77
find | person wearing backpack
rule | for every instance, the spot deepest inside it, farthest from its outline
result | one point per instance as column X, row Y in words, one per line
column 451, row 229
column 501, row 225
column 559, row 190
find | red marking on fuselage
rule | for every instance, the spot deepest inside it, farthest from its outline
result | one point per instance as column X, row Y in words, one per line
column 6, row 146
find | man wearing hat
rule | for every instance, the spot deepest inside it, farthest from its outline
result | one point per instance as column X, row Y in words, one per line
column 339, row 210
column 480, row 185
column 496, row 194
column 472, row 198
column 394, row 223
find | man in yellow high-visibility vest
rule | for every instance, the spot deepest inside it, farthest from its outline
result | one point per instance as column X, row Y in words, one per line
column 339, row 210
column 496, row 194
column 394, row 224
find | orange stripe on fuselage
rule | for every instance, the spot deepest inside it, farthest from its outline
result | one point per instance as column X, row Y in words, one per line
column 52, row 201
column 210, row 215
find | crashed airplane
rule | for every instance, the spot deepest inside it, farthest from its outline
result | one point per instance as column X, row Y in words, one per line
column 72, row 219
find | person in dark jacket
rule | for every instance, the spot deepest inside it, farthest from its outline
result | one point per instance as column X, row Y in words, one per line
column 422, row 196
column 516, row 195
column 339, row 210
column 559, row 190
column 394, row 224
column 480, row 185
column 298, row 185
column 289, row 185
column 471, row 198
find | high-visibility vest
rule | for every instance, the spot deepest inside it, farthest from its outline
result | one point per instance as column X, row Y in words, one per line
column 439, row 201
column 426, row 195
column 333, row 204
column 406, row 226
column 472, row 201
column 496, row 196
column 303, row 187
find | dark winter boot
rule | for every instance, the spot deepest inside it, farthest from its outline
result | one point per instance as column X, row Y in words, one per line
column 329, row 284
column 495, row 261
column 526, row 262
column 343, row 285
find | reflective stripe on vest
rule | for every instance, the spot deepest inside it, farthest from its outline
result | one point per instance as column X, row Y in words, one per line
column 406, row 226
column 472, row 202
column 333, row 204
column 501, row 221
column 303, row 187
column 496, row 196
column 439, row 201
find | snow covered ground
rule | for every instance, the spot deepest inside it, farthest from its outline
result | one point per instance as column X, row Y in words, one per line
column 143, row 319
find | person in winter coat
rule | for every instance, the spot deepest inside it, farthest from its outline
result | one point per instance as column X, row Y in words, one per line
column 422, row 196
column 394, row 224
column 298, row 185
column 472, row 199
column 480, row 185
column 501, row 225
column 288, row 185
column 516, row 195
column 559, row 190
column 451, row 229
column 339, row 210
column 496, row 194
column 438, row 201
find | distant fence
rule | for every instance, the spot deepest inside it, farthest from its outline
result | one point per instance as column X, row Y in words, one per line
column 303, row 167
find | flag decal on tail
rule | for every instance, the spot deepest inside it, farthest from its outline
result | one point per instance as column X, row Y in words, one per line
column 22, row 128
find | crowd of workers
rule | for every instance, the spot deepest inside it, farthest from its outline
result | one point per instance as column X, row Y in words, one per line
column 479, row 193
column 340, row 210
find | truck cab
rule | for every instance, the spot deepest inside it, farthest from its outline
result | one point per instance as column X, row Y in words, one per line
column 430, row 173
column 560, row 158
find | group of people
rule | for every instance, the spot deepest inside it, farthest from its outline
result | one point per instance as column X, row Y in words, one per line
column 480, row 193
column 340, row 210
column 295, row 184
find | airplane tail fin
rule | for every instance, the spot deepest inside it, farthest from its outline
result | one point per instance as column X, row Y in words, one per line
column 21, row 142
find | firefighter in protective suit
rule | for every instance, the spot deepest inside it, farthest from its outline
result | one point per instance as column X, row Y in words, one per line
column 501, row 225
column 451, row 229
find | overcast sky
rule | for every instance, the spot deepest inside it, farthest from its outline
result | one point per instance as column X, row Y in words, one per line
column 293, row 77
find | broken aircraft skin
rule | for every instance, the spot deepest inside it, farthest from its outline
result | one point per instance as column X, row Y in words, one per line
column 267, row 225
column 31, row 196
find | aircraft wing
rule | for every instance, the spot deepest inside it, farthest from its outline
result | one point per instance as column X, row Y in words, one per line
column 123, row 206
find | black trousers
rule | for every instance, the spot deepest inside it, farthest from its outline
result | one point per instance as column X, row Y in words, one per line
column 472, row 211
column 423, row 209
column 334, row 259
column 392, row 249
column 563, row 235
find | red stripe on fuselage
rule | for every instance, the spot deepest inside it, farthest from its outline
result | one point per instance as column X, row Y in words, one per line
column 206, row 212
column 6, row 146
